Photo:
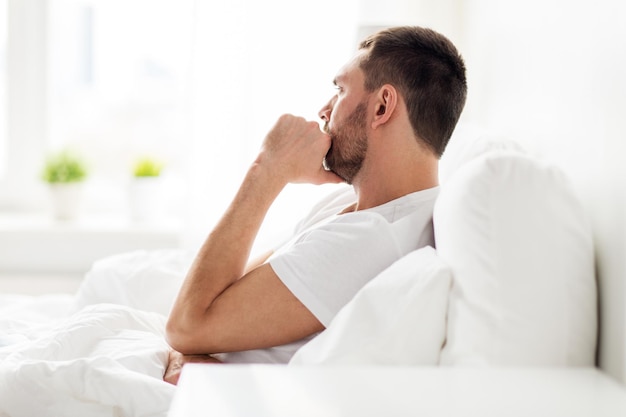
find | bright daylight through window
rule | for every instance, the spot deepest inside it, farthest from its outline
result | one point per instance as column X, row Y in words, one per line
column 117, row 91
column 107, row 80
column 117, row 80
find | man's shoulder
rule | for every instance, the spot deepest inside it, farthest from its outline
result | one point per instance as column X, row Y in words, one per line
column 417, row 205
column 328, row 206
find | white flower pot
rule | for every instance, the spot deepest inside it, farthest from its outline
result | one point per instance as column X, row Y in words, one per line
column 146, row 200
column 66, row 200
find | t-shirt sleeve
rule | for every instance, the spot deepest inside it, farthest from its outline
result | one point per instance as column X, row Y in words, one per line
column 325, row 267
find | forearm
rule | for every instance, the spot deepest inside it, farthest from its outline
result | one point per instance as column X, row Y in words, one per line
column 222, row 259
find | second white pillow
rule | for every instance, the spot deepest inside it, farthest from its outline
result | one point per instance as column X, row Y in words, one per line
column 398, row 318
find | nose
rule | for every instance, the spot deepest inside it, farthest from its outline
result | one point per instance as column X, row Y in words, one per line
column 325, row 112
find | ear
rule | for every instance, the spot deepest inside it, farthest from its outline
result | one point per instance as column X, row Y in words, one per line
column 385, row 103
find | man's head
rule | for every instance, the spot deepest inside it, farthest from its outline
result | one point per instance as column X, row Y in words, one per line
column 429, row 74
column 416, row 65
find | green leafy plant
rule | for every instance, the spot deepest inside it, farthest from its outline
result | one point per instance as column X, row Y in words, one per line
column 147, row 167
column 63, row 167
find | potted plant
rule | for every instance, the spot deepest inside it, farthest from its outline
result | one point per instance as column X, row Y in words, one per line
column 65, row 173
column 147, row 168
column 146, row 194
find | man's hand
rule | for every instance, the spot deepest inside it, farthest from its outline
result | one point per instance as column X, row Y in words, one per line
column 294, row 150
column 177, row 360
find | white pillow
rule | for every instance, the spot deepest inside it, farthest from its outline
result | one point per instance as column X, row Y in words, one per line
column 398, row 318
column 145, row 280
column 520, row 249
column 469, row 142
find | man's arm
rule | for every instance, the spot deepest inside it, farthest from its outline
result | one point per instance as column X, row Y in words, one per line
column 220, row 308
column 258, row 261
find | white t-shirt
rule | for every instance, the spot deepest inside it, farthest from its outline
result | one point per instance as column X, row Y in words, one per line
column 333, row 255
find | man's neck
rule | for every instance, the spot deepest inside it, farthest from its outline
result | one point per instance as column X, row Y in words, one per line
column 393, row 178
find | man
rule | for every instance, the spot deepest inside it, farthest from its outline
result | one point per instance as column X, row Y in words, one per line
column 397, row 103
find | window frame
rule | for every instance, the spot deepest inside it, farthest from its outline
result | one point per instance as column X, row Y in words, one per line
column 25, row 104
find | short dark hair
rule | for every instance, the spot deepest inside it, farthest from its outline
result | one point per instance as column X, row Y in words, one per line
column 429, row 73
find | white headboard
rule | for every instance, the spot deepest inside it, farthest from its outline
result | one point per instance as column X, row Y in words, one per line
column 602, row 188
column 604, row 196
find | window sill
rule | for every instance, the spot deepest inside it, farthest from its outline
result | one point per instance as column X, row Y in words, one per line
column 36, row 243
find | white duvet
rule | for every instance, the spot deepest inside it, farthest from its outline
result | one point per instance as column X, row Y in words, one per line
column 100, row 352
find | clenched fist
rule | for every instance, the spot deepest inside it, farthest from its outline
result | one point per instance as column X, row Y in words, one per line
column 294, row 150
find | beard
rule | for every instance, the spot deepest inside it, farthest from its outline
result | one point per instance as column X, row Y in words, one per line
column 348, row 145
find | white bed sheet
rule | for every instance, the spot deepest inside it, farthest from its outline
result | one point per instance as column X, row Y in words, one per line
column 78, row 355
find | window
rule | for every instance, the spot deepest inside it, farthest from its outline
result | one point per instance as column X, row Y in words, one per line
column 117, row 72
column 117, row 84
column 196, row 83
column 106, row 79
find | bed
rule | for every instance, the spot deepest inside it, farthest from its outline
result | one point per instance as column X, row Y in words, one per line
column 526, row 275
column 99, row 352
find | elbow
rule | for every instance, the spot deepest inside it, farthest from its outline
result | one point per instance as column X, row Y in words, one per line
column 187, row 334
column 180, row 337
